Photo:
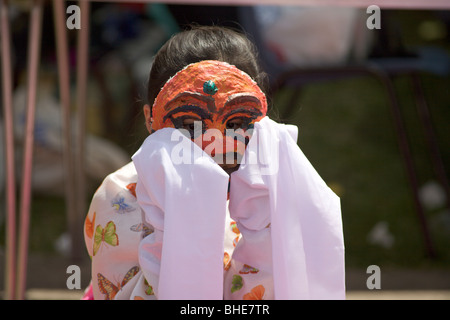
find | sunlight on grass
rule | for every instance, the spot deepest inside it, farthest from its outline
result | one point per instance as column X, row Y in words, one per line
column 346, row 131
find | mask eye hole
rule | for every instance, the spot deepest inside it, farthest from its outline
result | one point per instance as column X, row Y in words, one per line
column 236, row 123
column 194, row 126
column 189, row 124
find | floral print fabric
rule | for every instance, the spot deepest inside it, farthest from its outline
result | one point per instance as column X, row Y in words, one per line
column 114, row 227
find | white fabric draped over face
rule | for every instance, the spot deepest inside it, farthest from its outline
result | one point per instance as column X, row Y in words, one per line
column 276, row 189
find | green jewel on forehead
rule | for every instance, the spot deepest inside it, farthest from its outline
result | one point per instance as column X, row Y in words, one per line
column 209, row 87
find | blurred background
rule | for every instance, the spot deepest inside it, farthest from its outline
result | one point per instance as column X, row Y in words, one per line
column 326, row 71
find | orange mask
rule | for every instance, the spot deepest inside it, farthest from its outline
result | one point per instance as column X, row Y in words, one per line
column 215, row 102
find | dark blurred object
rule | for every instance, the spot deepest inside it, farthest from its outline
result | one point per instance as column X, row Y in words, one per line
column 124, row 39
column 186, row 15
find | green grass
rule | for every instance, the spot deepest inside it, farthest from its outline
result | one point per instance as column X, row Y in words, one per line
column 346, row 130
column 47, row 223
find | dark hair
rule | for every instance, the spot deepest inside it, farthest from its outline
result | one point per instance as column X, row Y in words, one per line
column 204, row 43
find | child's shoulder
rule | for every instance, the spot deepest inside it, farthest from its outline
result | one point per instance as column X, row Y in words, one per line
column 117, row 191
column 123, row 175
column 123, row 178
column 114, row 211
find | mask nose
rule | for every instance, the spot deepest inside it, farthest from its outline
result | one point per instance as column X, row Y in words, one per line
column 224, row 149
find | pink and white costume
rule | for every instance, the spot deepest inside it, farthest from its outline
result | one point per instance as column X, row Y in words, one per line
column 164, row 229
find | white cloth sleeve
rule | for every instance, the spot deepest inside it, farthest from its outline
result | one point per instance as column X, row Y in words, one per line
column 276, row 184
column 184, row 197
column 289, row 219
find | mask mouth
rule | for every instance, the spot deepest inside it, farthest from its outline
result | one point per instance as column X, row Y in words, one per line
column 230, row 168
column 224, row 150
column 229, row 162
column 227, row 159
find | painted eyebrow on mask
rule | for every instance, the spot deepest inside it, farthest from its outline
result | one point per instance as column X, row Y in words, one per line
column 253, row 113
column 189, row 108
column 208, row 100
column 239, row 99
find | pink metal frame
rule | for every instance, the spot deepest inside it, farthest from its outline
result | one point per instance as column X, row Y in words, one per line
column 82, row 81
column 33, row 65
column 10, row 254
column 383, row 4
column 16, row 271
column 73, row 153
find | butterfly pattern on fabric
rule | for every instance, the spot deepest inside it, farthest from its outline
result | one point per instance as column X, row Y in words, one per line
column 116, row 214
column 120, row 205
column 257, row 293
column 122, row 202
column 226, row 261
column 236, row 283
column 246, row 269
column 132, row 188
column 141, row 227
column 149, row 289
column 89, row 226
column 234, row 228
column 106, row 235
column 109, row 289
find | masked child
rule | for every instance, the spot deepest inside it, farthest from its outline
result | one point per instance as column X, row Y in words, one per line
column 219, row 202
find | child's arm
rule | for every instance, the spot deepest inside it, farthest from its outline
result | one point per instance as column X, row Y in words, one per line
column 249, row 274
column 113, row 229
